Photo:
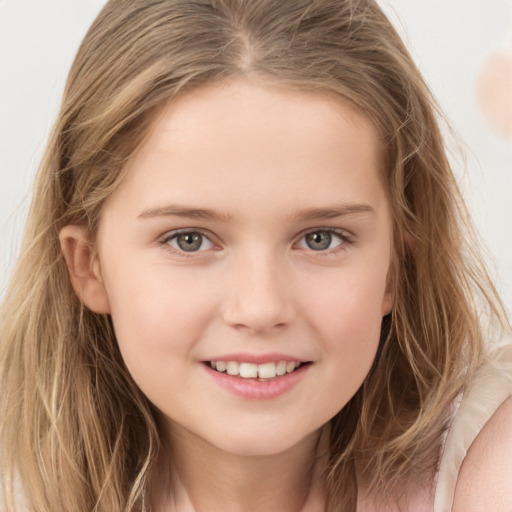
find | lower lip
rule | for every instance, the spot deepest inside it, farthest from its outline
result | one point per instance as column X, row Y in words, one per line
column 252, row 389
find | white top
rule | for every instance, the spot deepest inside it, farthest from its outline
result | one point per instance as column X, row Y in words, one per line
column 491, row 386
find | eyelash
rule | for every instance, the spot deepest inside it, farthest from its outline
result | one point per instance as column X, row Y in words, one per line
column 346, row 239
column 166, row 240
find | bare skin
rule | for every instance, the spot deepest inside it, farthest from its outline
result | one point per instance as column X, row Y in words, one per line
column 249, row 173
column 254, row 483
column 281, row 193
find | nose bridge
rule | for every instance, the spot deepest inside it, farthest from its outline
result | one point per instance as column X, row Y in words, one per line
column 257, row 295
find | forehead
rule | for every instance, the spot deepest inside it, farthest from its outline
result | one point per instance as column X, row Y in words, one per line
column 254, row 109
column 240, row 139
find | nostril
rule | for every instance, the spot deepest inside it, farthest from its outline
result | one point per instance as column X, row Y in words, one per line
column 259, row 328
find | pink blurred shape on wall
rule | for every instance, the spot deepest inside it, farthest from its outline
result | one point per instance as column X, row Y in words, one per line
column 494, row 92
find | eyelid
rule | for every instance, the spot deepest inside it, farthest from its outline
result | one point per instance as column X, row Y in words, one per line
column 165, row 239
column 345, row 236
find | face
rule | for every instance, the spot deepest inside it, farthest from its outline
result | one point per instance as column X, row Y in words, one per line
column 252, row 234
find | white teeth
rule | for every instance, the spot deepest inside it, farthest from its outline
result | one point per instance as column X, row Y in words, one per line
column 290, row 367
column 253, row 371
column 248, row 370
column 281, row 368
column 267, row 371
column 233, row 368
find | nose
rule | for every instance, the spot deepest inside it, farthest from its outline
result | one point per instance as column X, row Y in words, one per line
column 258, row 295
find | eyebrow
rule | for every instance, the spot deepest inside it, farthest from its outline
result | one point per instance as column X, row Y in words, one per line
column 334, row 212
column 183, row 211
column 307, row 214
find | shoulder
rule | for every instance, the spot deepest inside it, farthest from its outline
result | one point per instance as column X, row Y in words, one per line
column 485, row 478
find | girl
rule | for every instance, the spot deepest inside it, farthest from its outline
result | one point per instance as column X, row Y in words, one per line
column 248, row 282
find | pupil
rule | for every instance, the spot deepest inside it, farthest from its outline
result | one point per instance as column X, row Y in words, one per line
column 190, row 241
column 319, row 241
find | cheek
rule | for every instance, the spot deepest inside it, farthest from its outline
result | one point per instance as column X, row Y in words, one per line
column 158, row 314
column 350, row 304
column 348, row 319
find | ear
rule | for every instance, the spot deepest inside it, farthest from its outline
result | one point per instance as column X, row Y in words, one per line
column 387, row 302
column 84, row 269
column 389, row 293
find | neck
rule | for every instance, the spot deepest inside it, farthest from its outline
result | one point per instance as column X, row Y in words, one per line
column 206, row 478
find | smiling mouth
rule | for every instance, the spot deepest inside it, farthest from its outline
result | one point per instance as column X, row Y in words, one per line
column 261, row 372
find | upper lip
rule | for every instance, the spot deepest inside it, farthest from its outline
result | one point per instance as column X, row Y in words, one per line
column 257, row 358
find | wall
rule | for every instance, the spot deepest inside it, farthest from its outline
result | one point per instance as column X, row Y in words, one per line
column 451, row 41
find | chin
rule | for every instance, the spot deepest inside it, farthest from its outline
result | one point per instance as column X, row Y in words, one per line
column 260, row 442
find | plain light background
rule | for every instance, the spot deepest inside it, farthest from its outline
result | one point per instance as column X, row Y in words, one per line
column 449, row 39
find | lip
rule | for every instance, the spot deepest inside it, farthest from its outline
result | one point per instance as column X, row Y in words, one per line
column 273, row 357
column 252, row 389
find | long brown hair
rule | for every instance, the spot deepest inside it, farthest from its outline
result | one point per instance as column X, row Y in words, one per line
column 76, row 431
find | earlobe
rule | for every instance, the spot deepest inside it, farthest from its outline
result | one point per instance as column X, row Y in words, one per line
column 84, row 269
column 387, row 303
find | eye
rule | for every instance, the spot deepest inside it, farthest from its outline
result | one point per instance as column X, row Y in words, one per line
column 189, row 241
column 322, row 240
